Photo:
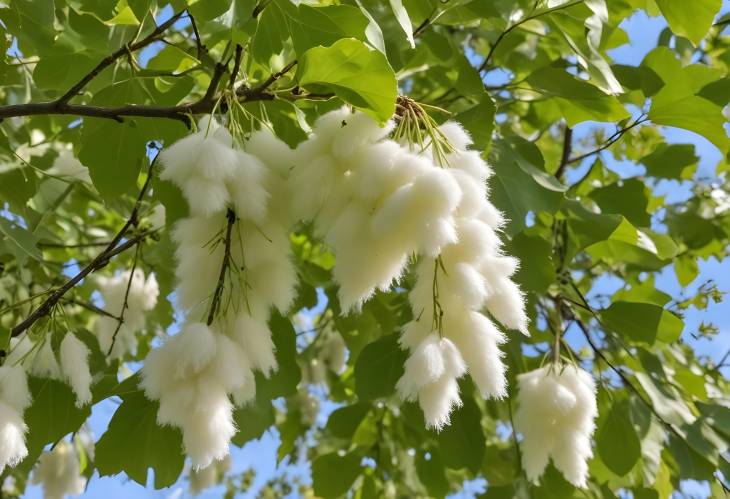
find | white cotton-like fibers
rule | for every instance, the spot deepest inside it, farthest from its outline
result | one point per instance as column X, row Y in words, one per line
column 255, row 339
column 248, row 194
column 12, row 436
column 58, row 471
column 478, row 340
column 430, row 375
column 199, row 374
column 192, row 375
column 556, row 415
column 68, row 167
column 461, row 271
column 75, row 367
column 142, row 297
column 14, row 387
column 14, row 399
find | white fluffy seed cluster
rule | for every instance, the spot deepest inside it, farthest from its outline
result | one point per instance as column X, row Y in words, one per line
column 449, row 334
column 196, row 372
column 141, row 298
column 70, row 366
column 59, row 473
column 14, row 399
column 556, row 415
column 376, row 202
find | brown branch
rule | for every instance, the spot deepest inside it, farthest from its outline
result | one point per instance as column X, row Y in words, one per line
column 113, row 249
column 202, row 49
column 610, row 141
column 503, row 34
column 567, row 150
column 271, row 79
column 236, row 65
column 127, row 48
column 125, row 304
column 204, row 105
column 225, row 264
column 93, row 308
column 72, row 246
column 625, row 379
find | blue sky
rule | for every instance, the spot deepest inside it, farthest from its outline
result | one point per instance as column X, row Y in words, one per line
column 643, row 33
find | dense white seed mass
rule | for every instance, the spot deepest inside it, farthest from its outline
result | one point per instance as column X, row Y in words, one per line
column 199, row 374
column 14, row 399
column 556, row 415
column 70, row 366
column 376, row 203
column 58, row 471
column 463, row 273
column 142, row 298
column 75, row 367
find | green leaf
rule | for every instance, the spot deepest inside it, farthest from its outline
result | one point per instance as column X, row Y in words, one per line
column 113, row 152
column 690, row 19
column 401, row 15
column 205, row 10
column 578, row 100
column 520, row 183
column 310, row 26
column 52, row 415
column 687, row 269
column 540, row 272
column 430, row 469
column 695, row 114
column 644, row 322
column 462, row 442
column 135, row 442
column 17, row 185
column 479, row 122
column 670, row 161
column 344, row 421
column 617, row 442
column 62, row 68
column 285, row 380
column 627, row 197
column 355, row 73
column 378, row 368
column 333, row 475
column 253, row 420
column 20, row 242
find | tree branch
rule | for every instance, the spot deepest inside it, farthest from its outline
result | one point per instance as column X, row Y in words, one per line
column 93, row 308
column 128, row 47
column 112, row 249
column 567, row 150
column 218, row 293
column 125, row 304
column 503, row 34
column 609, row 142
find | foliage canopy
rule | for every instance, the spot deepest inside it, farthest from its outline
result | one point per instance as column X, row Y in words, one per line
column 531, row 80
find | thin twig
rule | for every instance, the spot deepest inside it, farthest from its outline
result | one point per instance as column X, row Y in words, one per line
column 125, row 304
column 503, row 34
column 127, row 48
column 627, row 382
column 567, row 150
column 202, row 49
column 93, row 308
column 112, row 249
column 609, row 142
column 236, row 65
column 225, row 263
